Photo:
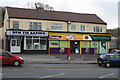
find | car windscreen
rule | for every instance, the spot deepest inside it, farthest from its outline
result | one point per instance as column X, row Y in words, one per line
column 102, row 56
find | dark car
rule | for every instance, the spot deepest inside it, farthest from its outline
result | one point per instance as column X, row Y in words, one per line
column 116, row 51
column 109, row 60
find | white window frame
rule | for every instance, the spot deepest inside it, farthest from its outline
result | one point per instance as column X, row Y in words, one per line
column 97, row 29
column 54, row 27
column 32, row 46
column 73, row 28
column 32, row 27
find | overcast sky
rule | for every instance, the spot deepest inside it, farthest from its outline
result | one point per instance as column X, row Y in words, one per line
column 107, row 10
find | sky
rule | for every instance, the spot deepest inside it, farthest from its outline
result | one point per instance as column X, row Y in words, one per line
column 107, row 10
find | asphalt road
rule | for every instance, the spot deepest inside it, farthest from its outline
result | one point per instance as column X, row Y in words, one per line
column 42, row 71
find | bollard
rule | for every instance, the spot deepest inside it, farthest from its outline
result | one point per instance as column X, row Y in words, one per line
column 68, row 54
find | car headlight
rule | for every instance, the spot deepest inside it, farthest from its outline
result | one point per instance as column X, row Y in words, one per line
column 21, row 58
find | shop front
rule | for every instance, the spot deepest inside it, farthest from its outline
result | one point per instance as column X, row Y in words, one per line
column 20, row 41
column 78, row 43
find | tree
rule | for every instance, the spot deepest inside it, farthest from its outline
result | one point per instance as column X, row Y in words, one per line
column 115, row 33
column 39, row 6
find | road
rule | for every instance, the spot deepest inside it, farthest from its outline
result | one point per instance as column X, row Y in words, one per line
column 42, row 71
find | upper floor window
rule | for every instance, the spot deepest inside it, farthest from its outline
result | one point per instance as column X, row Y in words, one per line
column 56, row 27
column 15, row 24
column 73, row 28
column 35, row 26
column 82, row 28
column 97, row 29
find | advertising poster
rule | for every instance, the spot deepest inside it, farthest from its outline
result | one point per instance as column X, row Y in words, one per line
column 103, row 47
column 71, row 37
column 53, row 44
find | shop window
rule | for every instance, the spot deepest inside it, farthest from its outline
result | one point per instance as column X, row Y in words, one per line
column 54, row 44
column 86, row 44
column 56, row 27
column 63, row 44
column 28, row 43
column 35, row 26
column 15, row 24
column 94, row 44
column 36, row 43
column 73, row 28
column 43, row 44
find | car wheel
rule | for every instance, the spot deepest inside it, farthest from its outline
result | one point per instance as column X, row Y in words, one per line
column 16, row 63
column 107, row 65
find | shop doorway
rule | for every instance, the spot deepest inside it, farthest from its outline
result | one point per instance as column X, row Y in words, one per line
column 103, row 47
column 15, row 46
column 75, row 47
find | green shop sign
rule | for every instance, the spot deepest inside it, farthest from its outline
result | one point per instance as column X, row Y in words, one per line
column 100, row 38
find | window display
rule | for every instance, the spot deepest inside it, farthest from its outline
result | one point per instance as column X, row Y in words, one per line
column 35, row 43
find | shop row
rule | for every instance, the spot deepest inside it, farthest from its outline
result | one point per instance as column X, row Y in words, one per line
column 56, row 42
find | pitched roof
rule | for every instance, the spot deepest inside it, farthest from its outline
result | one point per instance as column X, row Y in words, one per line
column 53, row 15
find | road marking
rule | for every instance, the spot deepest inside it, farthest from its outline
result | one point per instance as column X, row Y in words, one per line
column 59, row 69
column 53, row 75
column 107, row 75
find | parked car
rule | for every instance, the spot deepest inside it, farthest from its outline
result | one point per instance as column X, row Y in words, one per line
column 8, row 58
column 109, row 60
column 115, row 51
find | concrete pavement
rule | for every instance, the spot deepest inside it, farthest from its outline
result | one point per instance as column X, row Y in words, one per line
column 59, row 58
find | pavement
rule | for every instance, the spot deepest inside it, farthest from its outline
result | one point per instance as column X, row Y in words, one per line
column 59, row 58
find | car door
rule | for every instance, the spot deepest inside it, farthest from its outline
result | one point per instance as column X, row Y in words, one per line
column 113, row 60
column 6, row 58
column 118, row 60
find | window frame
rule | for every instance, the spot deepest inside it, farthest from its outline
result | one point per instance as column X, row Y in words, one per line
column 32, row 43
column 54, row 27
column 16, row 24
column 97, row 29
column 32, row 26
column 73, row 26
column 82, row 28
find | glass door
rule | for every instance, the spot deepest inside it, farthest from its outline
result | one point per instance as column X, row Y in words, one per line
column 15, row 46
column 103, row 47
column 75, row 46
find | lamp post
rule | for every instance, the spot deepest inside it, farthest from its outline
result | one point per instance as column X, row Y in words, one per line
column 68, row 25
column 68, row 51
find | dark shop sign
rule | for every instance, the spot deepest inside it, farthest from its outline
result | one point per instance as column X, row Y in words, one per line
column 27, row 33
column 100, row 38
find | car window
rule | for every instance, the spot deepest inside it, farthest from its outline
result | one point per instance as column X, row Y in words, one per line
column 5, row 54
column 102, row 56
column 0, row 53
column 114, row 56
column 118, row 56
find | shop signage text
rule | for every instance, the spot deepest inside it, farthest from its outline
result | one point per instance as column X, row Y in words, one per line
column 27, row 33
column 100, row 38
column 55, row 37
